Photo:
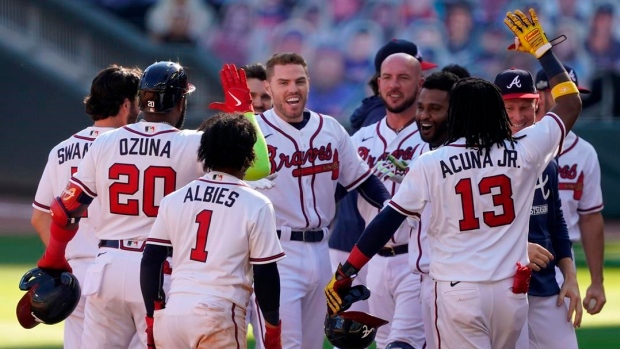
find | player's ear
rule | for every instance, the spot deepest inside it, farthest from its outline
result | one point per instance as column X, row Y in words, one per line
column 267, row 86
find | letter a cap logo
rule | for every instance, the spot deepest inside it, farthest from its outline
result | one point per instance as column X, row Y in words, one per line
column 516, row 83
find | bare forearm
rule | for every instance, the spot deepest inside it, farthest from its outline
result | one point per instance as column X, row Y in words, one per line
column 41, row 223
column 567, row 267
column 593, row 240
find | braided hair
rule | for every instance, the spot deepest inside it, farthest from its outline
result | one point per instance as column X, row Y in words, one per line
column 477, row 113
column 227, row 142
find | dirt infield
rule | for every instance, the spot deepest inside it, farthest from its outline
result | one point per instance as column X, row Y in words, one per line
column 15, row 218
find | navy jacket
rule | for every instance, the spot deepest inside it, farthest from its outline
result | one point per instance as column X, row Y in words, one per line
column 548, row 229
column 349, row 224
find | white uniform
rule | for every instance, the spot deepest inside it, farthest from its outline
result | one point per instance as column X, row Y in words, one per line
column 218, row 228
column 419, row 263
column 395, row 289
column 478, row 231
column 579, row 182
column 310, row 162
column 128, row 170
column 62, row 162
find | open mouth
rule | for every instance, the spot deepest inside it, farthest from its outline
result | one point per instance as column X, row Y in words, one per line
column 293, row 101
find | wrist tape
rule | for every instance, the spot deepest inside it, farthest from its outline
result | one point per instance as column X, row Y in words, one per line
column 564, row 88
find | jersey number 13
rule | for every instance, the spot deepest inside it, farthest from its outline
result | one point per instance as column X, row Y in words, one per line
column 502, row 198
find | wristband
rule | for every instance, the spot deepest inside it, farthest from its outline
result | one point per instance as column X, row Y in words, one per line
column 564, row 88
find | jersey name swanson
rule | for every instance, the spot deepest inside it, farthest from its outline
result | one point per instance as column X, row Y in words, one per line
column 71, row 151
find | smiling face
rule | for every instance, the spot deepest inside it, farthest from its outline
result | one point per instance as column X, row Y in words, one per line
column 432, row 116
column 288, row 86
column 399, row 82
column 522, row 112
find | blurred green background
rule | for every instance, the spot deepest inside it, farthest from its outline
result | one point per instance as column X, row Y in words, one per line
column 19, row 253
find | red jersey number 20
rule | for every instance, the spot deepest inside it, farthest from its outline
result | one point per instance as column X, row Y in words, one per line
column 502, row 198
column 129, row 184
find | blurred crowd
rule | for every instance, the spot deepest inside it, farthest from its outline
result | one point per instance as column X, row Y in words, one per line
column 339, row 38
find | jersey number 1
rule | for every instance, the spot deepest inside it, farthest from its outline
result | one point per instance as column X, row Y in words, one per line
column 199, row 252
column 502, row 198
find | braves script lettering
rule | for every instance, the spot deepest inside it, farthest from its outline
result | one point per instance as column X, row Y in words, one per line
column 304, row 161
column 400, row 154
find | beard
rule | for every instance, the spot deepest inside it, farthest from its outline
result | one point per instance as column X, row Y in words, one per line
column 402, row 107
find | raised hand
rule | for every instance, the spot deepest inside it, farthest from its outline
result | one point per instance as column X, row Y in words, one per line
column 237, row 96
column 531, row 37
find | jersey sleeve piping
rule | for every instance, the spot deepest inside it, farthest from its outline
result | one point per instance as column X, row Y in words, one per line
column 591, row 209
column 83, row 186
column 570, row 147
column 562, row 128
column 266, row 260
column 40, row 207
column 160, row 242
column 358, row 181
column 402, row 211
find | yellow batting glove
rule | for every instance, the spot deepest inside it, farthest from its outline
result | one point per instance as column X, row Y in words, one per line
column 530, row 34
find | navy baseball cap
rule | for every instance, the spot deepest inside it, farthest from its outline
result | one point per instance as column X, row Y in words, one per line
column 542, row 83
column 516, row 83
column 400, row 46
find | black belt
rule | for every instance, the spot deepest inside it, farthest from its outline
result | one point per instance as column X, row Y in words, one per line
column 128, row 245
column 391, row 251
column 305, row 235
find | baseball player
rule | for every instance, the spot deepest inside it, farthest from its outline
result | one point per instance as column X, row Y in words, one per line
column 480, row 187
column 349, row 224
column 549, row 245
column 581, row 195
column 311, row 154
column 111, row 103
column 432, row 123
column 131, row 169
column 219, row 229
column 395, row 290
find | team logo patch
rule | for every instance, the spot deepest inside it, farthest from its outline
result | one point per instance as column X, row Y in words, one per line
column 149, row 129
column 367, row 331
column 68, row 194
column 515, row 82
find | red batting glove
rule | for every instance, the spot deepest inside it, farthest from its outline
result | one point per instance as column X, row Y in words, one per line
column 237, row 96
column 54, row 256
column 273, row 336
column 521, row 282
column 150, row 341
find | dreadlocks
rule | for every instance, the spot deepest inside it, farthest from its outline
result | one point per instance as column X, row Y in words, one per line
column 477, row 113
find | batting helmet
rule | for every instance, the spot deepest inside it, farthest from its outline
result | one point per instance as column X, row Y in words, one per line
column 50, row 298
column 162, row 86
column 352, row 329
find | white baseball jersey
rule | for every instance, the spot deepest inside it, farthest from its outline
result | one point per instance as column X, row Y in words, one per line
column 419, row 250
column 374, row 143
column 579, row 182
column 310, row 163
column 481, row 202
column 218, row 227
column 131, row 169
column 62, row 162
